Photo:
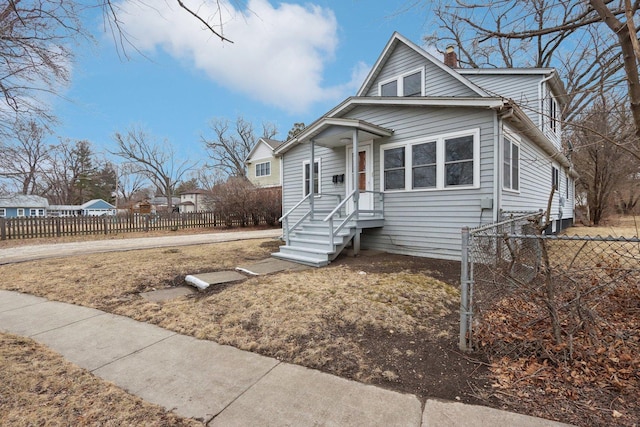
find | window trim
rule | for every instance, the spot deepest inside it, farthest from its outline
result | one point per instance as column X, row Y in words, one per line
column 268, row 162
column 440, row 161
column 515, row 140
column 399, row 79
column 20, row 212
column 3, row 212
column 555, row 178
column 304, row 165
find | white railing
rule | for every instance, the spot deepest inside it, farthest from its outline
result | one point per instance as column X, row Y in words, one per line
column 355, row 213
column 309, row 213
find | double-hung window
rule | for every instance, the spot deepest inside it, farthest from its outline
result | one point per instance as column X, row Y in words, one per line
column 3, row 212
column 307, row 177
column 440, row 162
column 424, row 164
column 408, row 84
column 510, row 164
column 263, row 169
column 20, row 212
column 394, row 168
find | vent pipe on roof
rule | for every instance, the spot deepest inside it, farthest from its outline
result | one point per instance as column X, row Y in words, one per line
column 450, row 57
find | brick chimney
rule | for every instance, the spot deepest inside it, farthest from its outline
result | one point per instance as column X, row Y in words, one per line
column 450, row 58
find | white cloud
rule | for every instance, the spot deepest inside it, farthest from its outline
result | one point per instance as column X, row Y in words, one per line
column 278, row 55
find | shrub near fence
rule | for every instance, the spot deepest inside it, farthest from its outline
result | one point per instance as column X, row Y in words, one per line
column 28, row 228
column 562, row 281
column 567, row 307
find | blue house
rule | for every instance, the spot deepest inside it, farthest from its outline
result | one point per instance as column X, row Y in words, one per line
column 423, row 149
column 22, row 206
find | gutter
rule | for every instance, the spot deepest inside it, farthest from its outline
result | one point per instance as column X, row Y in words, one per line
column 523, row 123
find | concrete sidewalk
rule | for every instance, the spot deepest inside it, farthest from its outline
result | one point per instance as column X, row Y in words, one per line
column 221, row 385
column 34, row 252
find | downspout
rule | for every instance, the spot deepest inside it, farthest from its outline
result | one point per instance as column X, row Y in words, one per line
column 497, row 183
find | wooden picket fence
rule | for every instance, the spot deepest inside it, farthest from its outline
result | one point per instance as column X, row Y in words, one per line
column 34, row 227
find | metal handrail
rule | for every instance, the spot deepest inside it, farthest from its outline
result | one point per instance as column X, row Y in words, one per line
column 340, row 205
column 285, row 218
column 294, row 208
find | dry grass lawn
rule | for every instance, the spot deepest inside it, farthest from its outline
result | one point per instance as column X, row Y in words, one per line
column 38, row 387
column 621, row 226
column 305, row 317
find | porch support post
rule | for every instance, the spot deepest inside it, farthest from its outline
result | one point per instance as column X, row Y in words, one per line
column 356, row 242
column 312, row 163
column 356, row 169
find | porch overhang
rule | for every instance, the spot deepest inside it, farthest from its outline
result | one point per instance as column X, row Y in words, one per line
column 337, row 132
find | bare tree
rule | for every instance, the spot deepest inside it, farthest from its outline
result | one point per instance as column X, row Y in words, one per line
column 24, row 156
column 595, row 40
column 157, row 161
column 603, row 167
column 36, row 50
column 131, row 181
column 231, row 143
column 35, row 55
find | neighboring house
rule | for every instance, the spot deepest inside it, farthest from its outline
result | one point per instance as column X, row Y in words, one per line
column 95, row 207
column 22, row 206
column 159, row 204
column 194, row 201
column 437, row 148
column 263, row 168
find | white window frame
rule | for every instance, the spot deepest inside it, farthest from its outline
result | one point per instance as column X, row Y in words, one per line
column 514, row 140
column 555, row 178
column 440, row 161
column 20, row 212
column 400, row 82
column 304, row 166
column 268, row 162
column 3, row 212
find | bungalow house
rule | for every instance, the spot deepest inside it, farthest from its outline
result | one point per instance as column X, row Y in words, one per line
column 423, row 149
column 263, row 168
column 95, row 207
column 23, row 206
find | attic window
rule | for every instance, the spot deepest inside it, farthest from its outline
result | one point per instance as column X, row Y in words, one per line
column 407, row 84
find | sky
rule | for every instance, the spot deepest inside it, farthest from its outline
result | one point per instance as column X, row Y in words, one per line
column 289, row 62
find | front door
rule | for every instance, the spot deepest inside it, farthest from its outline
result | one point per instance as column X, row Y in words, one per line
column 365, row 175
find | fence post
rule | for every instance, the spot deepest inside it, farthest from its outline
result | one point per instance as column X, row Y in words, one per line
column 465, row 283
column 3, row 229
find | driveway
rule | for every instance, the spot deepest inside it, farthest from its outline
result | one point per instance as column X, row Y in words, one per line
column 57, row 250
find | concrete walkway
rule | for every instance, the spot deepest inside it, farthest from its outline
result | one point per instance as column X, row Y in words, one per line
column 33, row 252
column 221, row 385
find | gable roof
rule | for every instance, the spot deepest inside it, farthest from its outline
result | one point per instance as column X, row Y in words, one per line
column 272, row 144
column 23, row 201
column 393, row 42
column 97, row 204
column 546, row 74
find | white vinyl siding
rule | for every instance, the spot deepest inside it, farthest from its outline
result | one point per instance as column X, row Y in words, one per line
column 436, row 162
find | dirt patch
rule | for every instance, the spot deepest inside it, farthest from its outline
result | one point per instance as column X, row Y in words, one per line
column 38, row 387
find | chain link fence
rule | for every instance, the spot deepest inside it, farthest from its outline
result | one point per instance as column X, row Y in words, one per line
column 523, row 291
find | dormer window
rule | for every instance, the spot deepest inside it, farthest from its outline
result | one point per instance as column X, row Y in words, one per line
column 408, row 84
